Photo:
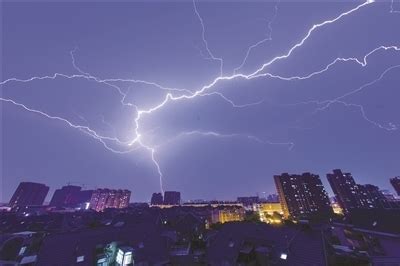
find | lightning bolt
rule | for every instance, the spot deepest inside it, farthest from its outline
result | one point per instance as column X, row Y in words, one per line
column 176, row 94
column 392, row 10
column 262, row 41
column 389, row 127
column 85, row 129
column 169, row 97
column 328, row 103
column 361, row 87
column 227, row 136
column 325, row 104
column 231, row 102
column 362, row 63
column 205, row 42
column 110, row 82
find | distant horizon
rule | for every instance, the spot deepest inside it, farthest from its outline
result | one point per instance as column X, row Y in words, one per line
column 259, row 194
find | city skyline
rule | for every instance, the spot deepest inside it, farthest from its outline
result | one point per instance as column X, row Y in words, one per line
column 72, row 194
column 208, row 99
column 272, row 190
column 300, row 225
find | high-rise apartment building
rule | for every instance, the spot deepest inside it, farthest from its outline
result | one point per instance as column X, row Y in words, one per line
column 351, row 195
column 157, row 199
column 65, row 196
column 302, row 195
column 395, row 181
column 29, row 193
column 172, row 198
column 109, row 198
column 348, row 194
column 70, row 196
column 372, row 197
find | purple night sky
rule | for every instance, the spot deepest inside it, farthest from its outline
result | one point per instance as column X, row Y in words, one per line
column 206, row 146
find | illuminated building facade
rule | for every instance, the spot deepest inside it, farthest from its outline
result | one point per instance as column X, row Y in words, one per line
column 223, row 215
column 124, row 256
column 109, row 198
column 29, row 193
column 336, row 208
column 269, row 209
column 355, row 196
column 302, row 195
column 347, row 192
column 372, row 197
column 396, row 184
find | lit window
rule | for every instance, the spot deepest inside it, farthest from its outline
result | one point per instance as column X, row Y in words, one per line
column 283, row 256
column 22, row 251
column 120, row 256
column 124, row 256
column 127, row 258
column 80, row 258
